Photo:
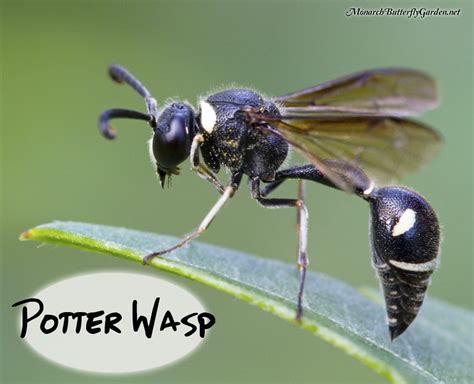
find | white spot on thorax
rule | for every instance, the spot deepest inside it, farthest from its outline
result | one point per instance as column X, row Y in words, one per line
column 405, row 223
column 208, row 116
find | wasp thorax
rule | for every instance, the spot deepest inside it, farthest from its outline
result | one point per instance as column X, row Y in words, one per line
column 404, row 237
column 174, row 132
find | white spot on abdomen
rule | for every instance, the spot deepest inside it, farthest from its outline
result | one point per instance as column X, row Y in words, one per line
column 208, row 116
column 416, row 267
column 405, row 223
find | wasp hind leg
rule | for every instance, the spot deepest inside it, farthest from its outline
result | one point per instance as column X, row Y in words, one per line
column 302, row 228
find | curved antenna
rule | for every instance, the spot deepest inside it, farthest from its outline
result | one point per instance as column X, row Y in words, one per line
column 117, row 113
column 121, row 75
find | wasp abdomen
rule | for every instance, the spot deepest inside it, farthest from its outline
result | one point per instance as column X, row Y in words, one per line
column 404, row 237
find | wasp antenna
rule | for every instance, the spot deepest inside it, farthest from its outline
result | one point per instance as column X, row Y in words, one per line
column 116, row 113
column 122, row 75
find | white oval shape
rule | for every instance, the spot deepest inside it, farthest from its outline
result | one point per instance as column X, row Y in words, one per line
column 405, row 223
column 128, row 351
column 208, row 116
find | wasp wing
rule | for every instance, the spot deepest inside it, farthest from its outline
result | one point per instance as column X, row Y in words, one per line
column 383, row 91
column 386, row 148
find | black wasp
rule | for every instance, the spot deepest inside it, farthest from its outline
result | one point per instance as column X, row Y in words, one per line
column 353, row 132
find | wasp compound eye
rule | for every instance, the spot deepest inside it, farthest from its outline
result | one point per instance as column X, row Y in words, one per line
column 173, row 135
column 404, row 236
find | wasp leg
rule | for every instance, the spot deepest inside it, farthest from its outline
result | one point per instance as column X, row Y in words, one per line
column 297, row 172
column 302, row 226
column 228, row 193
column 204, row 172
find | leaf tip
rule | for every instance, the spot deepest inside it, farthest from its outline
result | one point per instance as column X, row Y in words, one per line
column 25, row 235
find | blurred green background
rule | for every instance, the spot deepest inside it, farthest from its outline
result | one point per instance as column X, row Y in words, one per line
column 55, row 165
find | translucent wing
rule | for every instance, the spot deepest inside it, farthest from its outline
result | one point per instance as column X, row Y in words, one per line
column 384, row 91
column 386, row 148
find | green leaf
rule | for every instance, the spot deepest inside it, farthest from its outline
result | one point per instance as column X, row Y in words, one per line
column 437, row 348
